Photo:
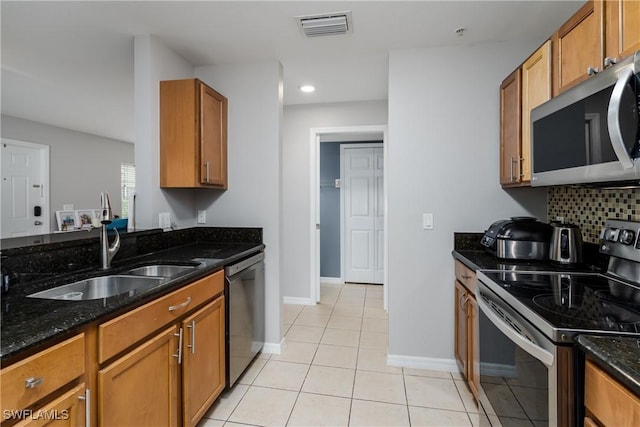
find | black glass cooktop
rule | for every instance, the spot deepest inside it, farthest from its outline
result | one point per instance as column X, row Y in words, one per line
column 571, row 302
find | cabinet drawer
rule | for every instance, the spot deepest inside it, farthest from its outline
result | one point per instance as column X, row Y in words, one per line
column 611, row 402
column 124, row 331
column 466, row 276
column 33, row 378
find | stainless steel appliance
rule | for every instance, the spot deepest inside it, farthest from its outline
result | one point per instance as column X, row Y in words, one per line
column 244, row 316
column 590, row 133
column 566, row 243
column 522, row 237
column 527, row 322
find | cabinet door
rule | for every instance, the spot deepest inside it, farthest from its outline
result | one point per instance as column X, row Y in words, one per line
column 213, row 137
column 510, row 128
column 67, row 410
column 461, row 329
column 141, row 388
column 622, row 28
column 536, row 89
column 577, row 46
column 203, row 372
column 473, row 350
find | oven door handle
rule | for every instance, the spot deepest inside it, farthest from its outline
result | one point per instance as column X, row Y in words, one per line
column 538, row 352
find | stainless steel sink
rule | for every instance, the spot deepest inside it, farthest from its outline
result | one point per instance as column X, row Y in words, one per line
column 100, row 287
column 160, row 270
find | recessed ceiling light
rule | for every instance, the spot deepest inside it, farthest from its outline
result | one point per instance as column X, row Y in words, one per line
column 307, row 88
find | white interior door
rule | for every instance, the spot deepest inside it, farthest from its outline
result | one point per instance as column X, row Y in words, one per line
column 363, row 207
column 25, row 186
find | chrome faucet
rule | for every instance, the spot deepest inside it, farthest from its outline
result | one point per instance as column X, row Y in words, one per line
column 106, row 252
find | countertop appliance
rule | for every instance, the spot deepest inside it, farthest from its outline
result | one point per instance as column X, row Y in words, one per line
column 590, row 133
column 566, row 243
column 522, row 237
column 244, row 315
column 528, row 319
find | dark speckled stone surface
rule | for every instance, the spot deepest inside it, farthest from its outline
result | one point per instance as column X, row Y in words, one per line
column 619, row 356
column 27, row 323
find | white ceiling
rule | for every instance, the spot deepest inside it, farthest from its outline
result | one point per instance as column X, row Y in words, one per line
column 70, row 64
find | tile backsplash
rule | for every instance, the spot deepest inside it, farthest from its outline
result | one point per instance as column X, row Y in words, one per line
column 589, row 208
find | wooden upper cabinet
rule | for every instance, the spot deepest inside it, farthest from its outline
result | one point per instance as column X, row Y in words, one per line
column 193, row 135
column 622, row 28
column 536, row 89
column 578, row 46
column 524, row 89
column 510, row 128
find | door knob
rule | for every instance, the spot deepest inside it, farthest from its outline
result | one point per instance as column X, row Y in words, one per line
column 37, row 222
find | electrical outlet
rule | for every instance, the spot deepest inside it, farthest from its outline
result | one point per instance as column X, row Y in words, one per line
column 164, row 220
column 202, row 217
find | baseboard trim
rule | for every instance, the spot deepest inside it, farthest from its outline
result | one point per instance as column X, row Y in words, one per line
column 332, row 280
column 299, row 301
column 275, row 348
column 432, row 363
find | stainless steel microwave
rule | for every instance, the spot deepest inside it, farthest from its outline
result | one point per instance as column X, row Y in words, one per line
column 590, row 134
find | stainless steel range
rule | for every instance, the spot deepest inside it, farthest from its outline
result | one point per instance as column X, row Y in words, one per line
column 527, row 322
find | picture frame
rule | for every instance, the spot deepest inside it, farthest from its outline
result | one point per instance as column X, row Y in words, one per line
column 67, row 220
column 85, row 218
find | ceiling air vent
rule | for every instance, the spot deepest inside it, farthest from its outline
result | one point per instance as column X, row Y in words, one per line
column 325, row 25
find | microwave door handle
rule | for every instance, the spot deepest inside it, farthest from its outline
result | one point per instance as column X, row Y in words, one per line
column 538, row 352
column 613, row 119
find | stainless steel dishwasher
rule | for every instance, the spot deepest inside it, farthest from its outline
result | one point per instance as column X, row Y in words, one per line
column 244, row 316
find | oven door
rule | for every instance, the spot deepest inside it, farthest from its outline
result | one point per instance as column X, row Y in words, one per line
column 518, row 366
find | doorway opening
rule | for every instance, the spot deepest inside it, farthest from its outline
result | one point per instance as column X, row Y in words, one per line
column 322, row 184
column 25, row 189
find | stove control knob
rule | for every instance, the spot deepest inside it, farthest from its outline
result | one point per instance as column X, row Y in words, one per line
column 626, row 237
column 611, row 234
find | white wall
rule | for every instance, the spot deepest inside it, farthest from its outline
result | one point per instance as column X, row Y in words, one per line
column 297, row 122
column 444, row 141
column 81, row 165
column 154, row 62
column 253, row 198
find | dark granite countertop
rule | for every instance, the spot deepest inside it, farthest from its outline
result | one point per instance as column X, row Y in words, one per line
column 27, row 323
column 619, row 356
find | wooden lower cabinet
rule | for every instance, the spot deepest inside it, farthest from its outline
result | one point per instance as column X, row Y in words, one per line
column 68, row 410
column 203, row 361
column 466, row 326
column 608, row 402
column 141, row 388
column 168, row 376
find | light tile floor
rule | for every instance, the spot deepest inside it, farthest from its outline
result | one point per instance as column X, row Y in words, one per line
column 333, row 372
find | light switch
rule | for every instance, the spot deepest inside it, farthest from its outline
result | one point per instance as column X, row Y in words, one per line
column 427, row 221
column 337, row 183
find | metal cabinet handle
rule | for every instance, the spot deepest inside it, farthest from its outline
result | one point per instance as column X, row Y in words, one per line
column 512, row 162
column 610, row 61
column 592, row 71
column 33, row 382
column 181, row 305
column 87, row 407
column 206, row 168
column 192, row 346
column 179, row 353
column 461, row 303
column 521, row 174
